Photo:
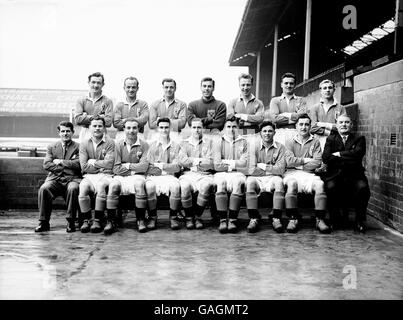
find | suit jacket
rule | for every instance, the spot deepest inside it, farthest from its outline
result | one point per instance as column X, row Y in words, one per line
column 349, row 164
column 68, row 169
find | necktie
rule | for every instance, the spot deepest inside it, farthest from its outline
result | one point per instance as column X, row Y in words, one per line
column 64, row 151
column 344, row 140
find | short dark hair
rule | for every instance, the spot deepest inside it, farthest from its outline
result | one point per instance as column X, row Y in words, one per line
column 168, row 80
column 232, row 119
column 327, row 81
column 245, row 76
column 98, row 118
column 131, row 78
column 195, row 119
column 288, row 75
column 163, row 120
column 207, row 79
column 265, row 124
column 67, row 124
column 304, row 116
column 96, row 74
column 131, row 119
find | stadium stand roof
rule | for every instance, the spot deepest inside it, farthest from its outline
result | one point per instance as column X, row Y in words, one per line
column 327, row 34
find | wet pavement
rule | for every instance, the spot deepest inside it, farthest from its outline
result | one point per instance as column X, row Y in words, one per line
column 196, row 264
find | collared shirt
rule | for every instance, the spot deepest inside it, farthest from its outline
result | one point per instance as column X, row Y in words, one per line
column 295, row 105
column 328, row 117
column 130, row 146
column 103, row 153
column 325, row 106
column 93, row 100
column 137, row 109
column 92, row 107
column 297, row 150
column 231, row 149
column 176, row 112
column 96, row 144
column 168, row 155
column 344, row 138
column 201, row 149
column 254, row 108
column 273, row 156
column 135, row 154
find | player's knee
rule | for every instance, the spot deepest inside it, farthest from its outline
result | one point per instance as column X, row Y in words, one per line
column 205, row 187
column 139, row 185
column 238, row 185
column 101, row 188
column 251, row 184
column 114, row 188
column 221, row 185
column 175, row 188
column 278, row 184
column 85, row 188
column 292, row 186
column 185, row 186
column 319, row 186
column 150, row 187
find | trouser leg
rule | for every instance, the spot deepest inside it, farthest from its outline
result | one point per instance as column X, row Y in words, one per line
column 361, row 197
column 46, row 193
column 72, row 200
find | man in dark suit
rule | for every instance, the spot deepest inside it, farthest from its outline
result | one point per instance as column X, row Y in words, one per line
column 62, row 162
column 345, row 176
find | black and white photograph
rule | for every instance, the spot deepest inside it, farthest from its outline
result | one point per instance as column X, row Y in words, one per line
column 201, row 156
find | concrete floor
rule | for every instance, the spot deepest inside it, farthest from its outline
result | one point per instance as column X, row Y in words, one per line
column 166, row 264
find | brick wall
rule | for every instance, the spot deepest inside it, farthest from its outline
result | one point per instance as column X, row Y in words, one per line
column 20, row 179
column 379, row 94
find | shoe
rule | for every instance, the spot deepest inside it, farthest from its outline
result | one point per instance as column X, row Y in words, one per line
column 141, row 226
column 151, row 223
column 174, row 223
column 231, row 227
column 223, row 228
column 322, row 226
column 119, row 221
column 109, row 228
column 292, row 226
column 360, row 227
column 71, row 226
column 277, row 226
column 199, row 223
column 85, row 227
column 96, row 226
column 43, row 226
column 253, row 226
column 79, row 223
column 189, row 223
